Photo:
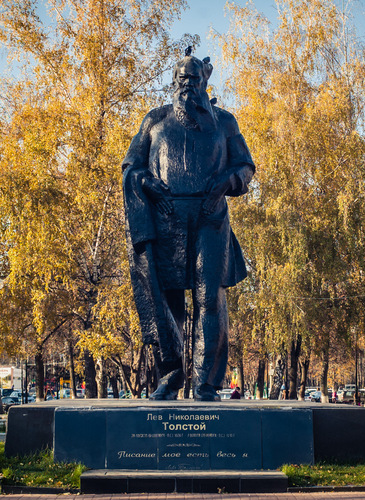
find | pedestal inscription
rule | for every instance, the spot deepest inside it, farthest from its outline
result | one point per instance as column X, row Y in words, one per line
column 184, row 439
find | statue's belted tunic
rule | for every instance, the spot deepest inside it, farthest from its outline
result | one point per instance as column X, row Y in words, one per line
column 186, row 248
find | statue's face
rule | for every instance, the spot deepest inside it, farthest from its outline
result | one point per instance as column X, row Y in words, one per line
column 190, row 78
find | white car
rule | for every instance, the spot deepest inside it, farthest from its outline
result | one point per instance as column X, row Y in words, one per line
column 225, row 393
column 350, row 387
column 16, row 394
column 309, row 393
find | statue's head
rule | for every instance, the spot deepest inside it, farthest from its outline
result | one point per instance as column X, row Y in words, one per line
column 191, row 101
column 191, row 73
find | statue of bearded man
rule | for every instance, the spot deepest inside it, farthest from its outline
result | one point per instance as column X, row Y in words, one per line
column 184, row 161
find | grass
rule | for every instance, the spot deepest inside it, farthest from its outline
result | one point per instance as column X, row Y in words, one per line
column 39, row 470
column 324, row 474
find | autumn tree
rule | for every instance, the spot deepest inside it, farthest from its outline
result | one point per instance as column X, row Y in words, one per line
column 298, row 95
column 31, row 202
column 93, row 64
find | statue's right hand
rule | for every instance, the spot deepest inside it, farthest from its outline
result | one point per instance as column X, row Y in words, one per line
column 157, row 192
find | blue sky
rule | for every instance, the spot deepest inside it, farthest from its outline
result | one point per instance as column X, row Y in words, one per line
column 203, row 14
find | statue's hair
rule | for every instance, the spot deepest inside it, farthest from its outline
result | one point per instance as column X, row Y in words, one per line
column 204, row 65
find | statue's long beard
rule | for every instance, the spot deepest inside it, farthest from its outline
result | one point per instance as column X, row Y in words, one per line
column 194, row 112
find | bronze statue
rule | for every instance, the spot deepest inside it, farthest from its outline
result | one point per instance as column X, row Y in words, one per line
column 186, row 158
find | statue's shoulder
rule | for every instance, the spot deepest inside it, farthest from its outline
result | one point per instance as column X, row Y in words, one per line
column 155, row 116
column 226, row 121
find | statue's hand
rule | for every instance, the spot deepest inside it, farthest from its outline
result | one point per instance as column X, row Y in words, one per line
column 157, row 192
column 217, row 188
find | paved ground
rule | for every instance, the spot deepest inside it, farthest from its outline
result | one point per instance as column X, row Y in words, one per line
column 194, row 496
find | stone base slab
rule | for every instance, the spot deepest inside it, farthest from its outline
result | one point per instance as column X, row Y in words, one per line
column 121, row 481
column 338, row 430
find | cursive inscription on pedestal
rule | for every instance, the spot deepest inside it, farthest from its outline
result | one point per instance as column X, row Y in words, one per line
column 132, row 454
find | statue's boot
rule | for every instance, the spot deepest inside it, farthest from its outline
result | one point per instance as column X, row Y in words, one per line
column 206, row 392
column 164, row 393
column 169, row 386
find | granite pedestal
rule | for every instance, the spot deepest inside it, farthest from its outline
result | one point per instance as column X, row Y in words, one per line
column 231, row 435
column 182, row 436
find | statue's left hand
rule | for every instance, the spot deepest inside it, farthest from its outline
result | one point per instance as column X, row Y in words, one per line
column 158, row 192
column 217, row 188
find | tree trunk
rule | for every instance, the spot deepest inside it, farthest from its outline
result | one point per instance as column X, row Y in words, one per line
column 90, row 374
column 26, row 381
column 240, row 377
column 101, row 379
column 72, row 369
column 324, row 374
column 260, row 379
column 278, row 376
column 303, row 366
column 152, row 379
column 123, row 381
column 39, row 375
column 136, row 374
column 188, row 353
column 293, row 369
column 113, row 378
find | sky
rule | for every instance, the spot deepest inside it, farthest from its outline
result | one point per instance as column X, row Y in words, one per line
column 204, row 14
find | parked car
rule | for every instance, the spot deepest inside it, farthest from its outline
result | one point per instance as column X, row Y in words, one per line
column 125, row 395
column 8, row 402
column 362, row 396
column 346, row 396
column 309, row 393
column 22, row 399
column 66, row 393
column 16, row 394
column 308, row 396
column 350, row 387
column 80, row 393
column 316, row 396
column 225, row 393
column 6, row 392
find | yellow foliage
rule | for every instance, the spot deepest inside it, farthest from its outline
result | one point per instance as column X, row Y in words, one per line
column 299, row 97
column 69, row 123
